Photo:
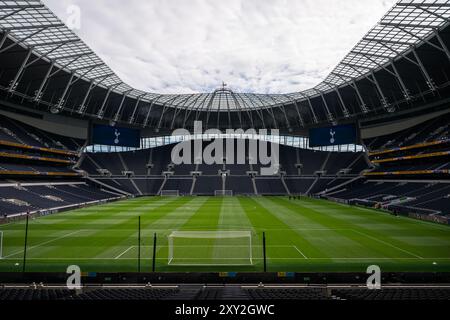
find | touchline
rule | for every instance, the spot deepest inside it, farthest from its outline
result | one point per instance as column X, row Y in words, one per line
column 227, row 150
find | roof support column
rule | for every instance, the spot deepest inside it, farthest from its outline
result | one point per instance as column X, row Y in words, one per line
column 430, row 81
column 119, row 110
column 342, row 103
column 416, row 63
column 283, row 109
column 273, row 117
column 162, row 116
column 177, row 110
column 300, row 117
column 260, row 114
column 363, row 105
column 63, row 96
column 329, row 115
column 270, row 111
column 228, row 114
column 66, row 89
column 312, row 110
column 441, row 42
column 130, row 121
column 5, row 36
column 353, row 85
column 208, row 111
column 383, row 99
column 405, row 90
column 101, row 112
column 188, row 109
column 38, row 93
column 147, row 117
column 83, row 106
column 13, row 84
column 344, row 107
column 243, row 106
column 239, row 110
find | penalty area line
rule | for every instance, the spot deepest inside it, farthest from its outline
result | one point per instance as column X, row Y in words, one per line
column 298, row 250
column 388, row 244
column 44, row 243
column 124, row 252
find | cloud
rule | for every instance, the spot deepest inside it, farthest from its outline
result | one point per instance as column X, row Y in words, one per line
column 186, row 46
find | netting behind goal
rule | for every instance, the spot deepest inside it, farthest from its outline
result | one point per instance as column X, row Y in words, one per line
column 170, row 193
column 210, row 248
column 224, row 193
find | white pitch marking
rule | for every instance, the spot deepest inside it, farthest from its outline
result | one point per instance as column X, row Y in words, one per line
column 388, row 244
column 44, row 243
column 120, row 255
column 295, row 247
column 269, row 258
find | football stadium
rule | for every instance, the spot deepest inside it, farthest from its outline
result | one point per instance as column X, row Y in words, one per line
column 225, row 194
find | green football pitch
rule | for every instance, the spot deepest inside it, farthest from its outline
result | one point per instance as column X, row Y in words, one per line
column 306, row 235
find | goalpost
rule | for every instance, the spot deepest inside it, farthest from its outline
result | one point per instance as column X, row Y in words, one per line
column 170, row 193
column 210, row 248
column 1, row 245
column 223, row 193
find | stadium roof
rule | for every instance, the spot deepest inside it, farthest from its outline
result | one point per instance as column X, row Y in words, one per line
column 400, row 65
column 407, row 24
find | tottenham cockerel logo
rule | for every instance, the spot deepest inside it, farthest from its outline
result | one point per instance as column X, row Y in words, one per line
column 117, row 134
column 332, row 136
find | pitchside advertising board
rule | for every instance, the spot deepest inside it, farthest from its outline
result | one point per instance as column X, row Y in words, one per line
column 333, row 136
column 115, row 136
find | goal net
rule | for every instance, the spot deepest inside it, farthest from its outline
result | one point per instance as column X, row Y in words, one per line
column 170, row 193
column 210, row 248
column 223, row 193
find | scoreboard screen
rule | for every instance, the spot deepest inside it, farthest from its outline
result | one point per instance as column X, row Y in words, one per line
column 115, row 136
column 332, row 136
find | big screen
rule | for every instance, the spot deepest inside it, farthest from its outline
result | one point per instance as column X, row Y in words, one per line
column 115, row 136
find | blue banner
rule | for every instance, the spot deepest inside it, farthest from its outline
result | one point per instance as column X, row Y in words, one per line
column 115, row 136
column 333, row 136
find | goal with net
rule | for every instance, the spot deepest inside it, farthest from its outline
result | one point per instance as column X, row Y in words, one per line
column 170, row 193
column 223, row 193
column 210, row 248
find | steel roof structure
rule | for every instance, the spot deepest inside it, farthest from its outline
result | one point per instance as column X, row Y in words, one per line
column 406, row 29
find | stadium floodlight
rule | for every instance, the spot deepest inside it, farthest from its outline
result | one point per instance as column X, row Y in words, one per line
column 223, row 193
column 210, row 248
column 170, row 193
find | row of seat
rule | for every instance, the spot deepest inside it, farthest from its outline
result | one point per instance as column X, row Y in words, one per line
column 227, row 293
column 40, row 197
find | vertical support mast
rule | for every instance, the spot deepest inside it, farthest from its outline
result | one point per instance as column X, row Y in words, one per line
column 1, row 244
column 139, row 244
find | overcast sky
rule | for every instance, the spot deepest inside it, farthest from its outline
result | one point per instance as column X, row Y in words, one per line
column 185, row 46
